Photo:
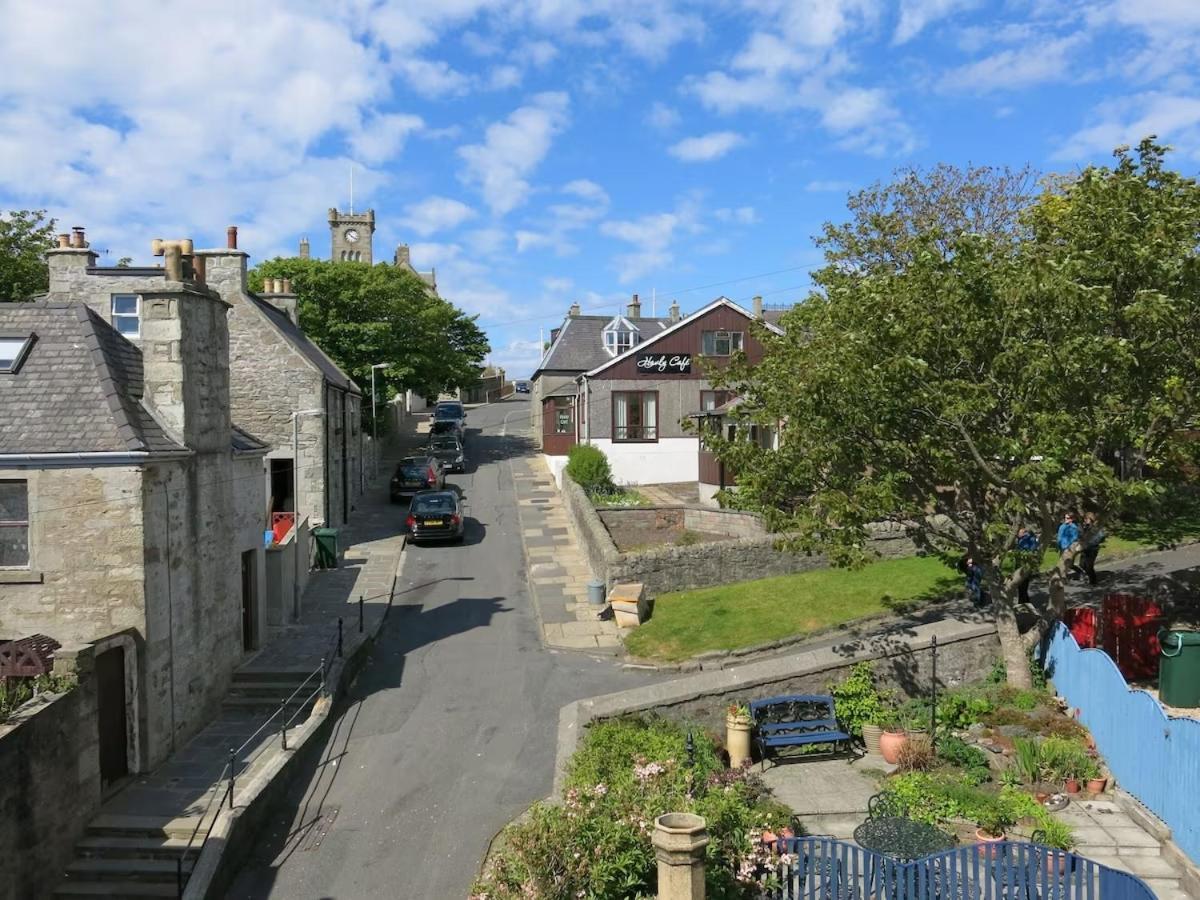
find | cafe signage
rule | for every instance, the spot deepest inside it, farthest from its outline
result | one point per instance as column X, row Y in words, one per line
column 664, row 363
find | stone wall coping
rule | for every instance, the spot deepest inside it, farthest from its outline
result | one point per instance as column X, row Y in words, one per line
column 575, row 716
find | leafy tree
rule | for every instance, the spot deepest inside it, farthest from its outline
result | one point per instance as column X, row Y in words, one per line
column 967, row 383
column 362, row 315
column 25, row 236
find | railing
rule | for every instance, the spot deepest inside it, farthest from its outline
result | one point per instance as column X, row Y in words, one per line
column 224, row 785
column 829, row 869
column 1151, row 754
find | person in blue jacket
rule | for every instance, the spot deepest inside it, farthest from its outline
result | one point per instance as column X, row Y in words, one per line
column 974, row 575
column 1027, row 542
column 1068, row 536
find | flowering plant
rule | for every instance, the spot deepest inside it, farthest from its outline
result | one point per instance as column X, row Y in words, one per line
column 738, row 710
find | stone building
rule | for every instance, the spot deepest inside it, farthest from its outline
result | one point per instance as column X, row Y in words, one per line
column 131, row 507
column 351, row 236
column 276, row 371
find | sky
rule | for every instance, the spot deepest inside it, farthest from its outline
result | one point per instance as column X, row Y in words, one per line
column 540, row 152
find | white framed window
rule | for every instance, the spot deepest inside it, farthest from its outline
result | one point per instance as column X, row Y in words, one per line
column 635, row 416
column 721, row 343
column 618, row 340
column 127, row 314
column 14, row 524
column 13, row 350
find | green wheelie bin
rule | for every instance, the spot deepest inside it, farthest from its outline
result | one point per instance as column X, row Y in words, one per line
column 326, row 540
column 1179, row 668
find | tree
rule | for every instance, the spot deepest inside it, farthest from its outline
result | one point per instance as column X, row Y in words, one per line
column 362, row 315
column 25, row 236
column 988, row 381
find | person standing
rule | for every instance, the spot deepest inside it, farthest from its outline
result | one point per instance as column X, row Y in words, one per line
column 1091, row 539
column 974, row 575
column 1027, row 542
column 1068, row 537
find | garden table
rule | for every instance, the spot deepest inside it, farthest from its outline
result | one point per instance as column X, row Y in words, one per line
column 901, row 838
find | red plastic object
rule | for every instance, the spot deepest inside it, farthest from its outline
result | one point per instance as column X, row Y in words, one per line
column 1126, row 628
column 1082, row 624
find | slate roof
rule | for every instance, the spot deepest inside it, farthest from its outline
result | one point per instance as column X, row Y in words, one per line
column 310, row 351
column 579, row 345
column 79, row 389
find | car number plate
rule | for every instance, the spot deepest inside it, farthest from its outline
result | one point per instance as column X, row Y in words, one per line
column 428, row 522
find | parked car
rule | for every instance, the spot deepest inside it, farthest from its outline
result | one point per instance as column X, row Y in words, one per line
column 448, row 448
column 435, row 516
column 446, row 427
column 521, row 387
column 450, row 411
column 415, row 474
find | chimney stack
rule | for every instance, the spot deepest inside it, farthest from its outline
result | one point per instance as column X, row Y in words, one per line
column 177, row 257
column 634, row 310
column 758, row 308
column 231, row 237
column 305, row 250
column 68, row 264
column 574, row 310
column 402, row 256
column 278, row 292
column 673, row 311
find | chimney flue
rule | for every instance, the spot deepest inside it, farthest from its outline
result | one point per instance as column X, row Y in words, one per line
column 673, row 311
column 64, row 241
column 635, row 308
column 231, row 237
column 574, row 310
column 77, row 237
column 758, row 308
column 287, row 285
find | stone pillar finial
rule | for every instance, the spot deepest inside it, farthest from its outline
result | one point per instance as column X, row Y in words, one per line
column 679, row 841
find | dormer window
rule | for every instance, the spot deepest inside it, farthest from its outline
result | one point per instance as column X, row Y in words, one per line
column 13, row 350
column 619, row 336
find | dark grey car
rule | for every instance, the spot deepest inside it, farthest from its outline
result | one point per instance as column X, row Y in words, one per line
column 450, row 451
column 415, row 474
column 435, row 516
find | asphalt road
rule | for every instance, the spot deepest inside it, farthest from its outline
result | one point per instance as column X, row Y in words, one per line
column 449, row 731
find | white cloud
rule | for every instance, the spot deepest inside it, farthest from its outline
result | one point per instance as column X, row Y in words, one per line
column 741, row 215
column 557, row 285
column 662, row 117
column 832, row 186
column 518, row 358
column 707, row 147
column 435, row 214
column 652, row 237
column 916, row 14
column 512, row 149
column 383, row 136
column 504, row 77
column 558, row 220
column 433, row 78
column 1017, row 67
column 587, row 190
column 1175, row 119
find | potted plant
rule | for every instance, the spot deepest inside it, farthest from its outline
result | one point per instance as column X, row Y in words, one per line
column 1059, row 838
column 737, row 734
column 992, row 821
column 1074, row 767
column 1096, row 781
column 892, row 741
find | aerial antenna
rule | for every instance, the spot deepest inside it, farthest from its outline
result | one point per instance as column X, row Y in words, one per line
column 654, row 303
column 351, row 188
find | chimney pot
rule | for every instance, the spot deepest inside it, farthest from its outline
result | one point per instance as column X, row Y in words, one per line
column 574, row 310
column 231, row 237
column 673, row 311
column 77, row 237
column 199, row 269
column 64, row 240
column 758, row 308
column 287, row 285
column 635, row 308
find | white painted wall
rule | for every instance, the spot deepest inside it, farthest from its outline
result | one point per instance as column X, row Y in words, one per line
column 668, row 461
column 556, row 464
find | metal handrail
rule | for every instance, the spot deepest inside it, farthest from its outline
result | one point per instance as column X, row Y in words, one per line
column 229, row 770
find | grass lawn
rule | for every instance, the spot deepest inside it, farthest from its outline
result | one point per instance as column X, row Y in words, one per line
column 688, row 623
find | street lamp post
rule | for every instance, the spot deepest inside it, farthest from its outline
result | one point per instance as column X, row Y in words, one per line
column 296, row 502
column 374, row 416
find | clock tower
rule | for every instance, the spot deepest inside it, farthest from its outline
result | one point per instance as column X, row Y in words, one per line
column 350, row 236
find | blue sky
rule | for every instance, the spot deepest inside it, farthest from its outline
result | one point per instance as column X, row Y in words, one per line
column 538, row 152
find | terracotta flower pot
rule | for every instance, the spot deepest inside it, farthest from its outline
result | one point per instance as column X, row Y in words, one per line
column 985, row 842
column 871, row 735
column 1097, row 785
column 1072, row 785
column 737, row 740
column 890, row 745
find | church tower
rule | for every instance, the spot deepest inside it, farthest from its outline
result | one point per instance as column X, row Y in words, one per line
column 351, row 235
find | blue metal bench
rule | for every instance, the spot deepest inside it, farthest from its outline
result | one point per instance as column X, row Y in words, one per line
column 795, row 721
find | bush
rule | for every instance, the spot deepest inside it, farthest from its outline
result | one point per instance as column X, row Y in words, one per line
column 589, row 468
column 856, row 700
column 597, row 842
column 972, row 760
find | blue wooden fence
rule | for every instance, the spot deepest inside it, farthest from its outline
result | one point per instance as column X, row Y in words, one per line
column 828, row 869
column 1153, row 756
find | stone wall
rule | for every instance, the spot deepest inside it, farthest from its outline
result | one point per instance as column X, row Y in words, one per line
column 250, row 521
column 673, row 568
column 49, row 754
column 726, row 522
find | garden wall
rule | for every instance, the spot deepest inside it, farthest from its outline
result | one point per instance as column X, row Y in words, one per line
column 675, row 568
column 50, row 757
column 902, row 657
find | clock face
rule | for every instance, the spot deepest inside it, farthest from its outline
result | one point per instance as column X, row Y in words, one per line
column 352, row 234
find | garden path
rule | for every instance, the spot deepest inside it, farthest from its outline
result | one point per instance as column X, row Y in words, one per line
column 828, row 795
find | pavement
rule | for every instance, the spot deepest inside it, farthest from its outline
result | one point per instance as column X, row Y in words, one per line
column 449, row 731
column 558, row 571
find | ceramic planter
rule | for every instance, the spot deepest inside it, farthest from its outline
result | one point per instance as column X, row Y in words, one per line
column 871, row 736
column 737, row 740
column 1097, row 785
column 890, row 745
column 986, row 842
column 1072, row 785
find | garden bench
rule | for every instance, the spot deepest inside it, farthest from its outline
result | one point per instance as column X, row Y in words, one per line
column 795, row 721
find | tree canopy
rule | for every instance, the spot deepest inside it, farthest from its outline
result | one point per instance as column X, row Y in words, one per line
column 969, row 381
column 25, row 236
column 362, row 315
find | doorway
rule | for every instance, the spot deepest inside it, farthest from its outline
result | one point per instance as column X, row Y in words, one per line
column 249, row 637
column 111, row 712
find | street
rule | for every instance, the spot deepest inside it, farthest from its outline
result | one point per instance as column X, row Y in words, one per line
column 449, row 731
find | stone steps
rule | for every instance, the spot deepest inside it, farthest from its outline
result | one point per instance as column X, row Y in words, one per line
column 108, row 824
column 93, row 869
column 116, row 890
column 116, row 846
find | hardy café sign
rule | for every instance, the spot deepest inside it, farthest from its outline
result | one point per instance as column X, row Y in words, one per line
column 664, row 363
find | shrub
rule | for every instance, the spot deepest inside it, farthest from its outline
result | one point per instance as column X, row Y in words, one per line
column 597, row 842
column 959, row 710
column 915, row 756
column 15, row 692
column 856, row 700
column 972, row 760
column 589, row 468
